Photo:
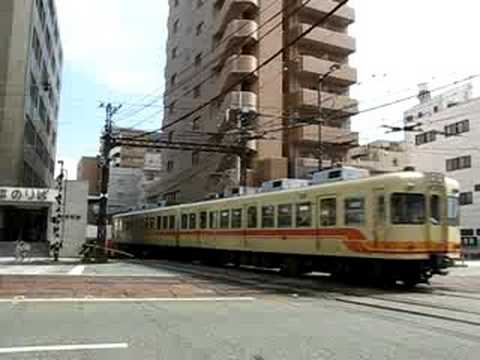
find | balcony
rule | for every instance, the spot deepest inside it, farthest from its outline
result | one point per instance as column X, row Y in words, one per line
column 324, row 40
column 240, row 99
column 231, row 10
column 342, row 104
column 319, row 8
column 333, row 135
column 236, row 67
column 310, row 66
column 238, row 32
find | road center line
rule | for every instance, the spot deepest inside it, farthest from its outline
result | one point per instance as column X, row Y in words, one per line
column 125, row 300
column 23, row 349
column 77, row 270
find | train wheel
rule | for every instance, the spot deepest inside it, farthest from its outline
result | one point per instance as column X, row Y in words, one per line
column 290, row 267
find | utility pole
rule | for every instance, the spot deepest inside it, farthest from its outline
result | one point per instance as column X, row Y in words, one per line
column 244, row 120
column 321, row 79
column 104, row 163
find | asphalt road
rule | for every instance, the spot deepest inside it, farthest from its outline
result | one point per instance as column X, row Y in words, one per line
column 273, row 328
column 332, row 322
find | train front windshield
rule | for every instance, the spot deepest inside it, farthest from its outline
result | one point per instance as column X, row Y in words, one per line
column 408, row 209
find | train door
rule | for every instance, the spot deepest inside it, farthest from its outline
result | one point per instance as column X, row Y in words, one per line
column 202, row 225
column 251, row 223
column 379, row 215
column 437, row 227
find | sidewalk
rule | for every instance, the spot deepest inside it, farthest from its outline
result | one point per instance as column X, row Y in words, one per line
column 38, row 261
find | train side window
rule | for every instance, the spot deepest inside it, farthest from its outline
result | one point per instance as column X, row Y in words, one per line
column 435, row 210
column 203, row 220
column 193, row 221
column 165, row 222
column 159, row 222
column 252, row 217
column 381, row 214
column 184, row 224
column 304, row 215
column 328, row 212
column 172, row 221
column 236, row 218
column 224, row 219
column 213, row 220
column 268, row 216
column 355, row 211
column 152, row 223
column 147, row 223
column 285, row 215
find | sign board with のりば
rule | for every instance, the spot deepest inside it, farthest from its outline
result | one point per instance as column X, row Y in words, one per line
column 27, row 195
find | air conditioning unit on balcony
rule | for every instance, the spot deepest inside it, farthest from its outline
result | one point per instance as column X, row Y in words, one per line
column 283, row 184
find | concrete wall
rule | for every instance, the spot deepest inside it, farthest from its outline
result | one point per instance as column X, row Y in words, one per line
column 125, row 189
column 76, row 218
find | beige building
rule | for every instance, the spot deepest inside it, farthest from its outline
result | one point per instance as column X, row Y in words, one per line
column 30, row 79
column 379, row 157
column 88, row 170
column 213, row 45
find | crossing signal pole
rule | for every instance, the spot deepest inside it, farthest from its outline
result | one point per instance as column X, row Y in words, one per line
column 104, row 164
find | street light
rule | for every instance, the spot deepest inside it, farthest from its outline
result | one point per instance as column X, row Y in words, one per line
column 321, row 79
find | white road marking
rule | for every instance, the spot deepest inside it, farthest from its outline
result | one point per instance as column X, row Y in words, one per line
column 23, row 349
column 77, row 270
column 125, row 300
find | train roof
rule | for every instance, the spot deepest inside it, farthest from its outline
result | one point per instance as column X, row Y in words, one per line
column 372, row 180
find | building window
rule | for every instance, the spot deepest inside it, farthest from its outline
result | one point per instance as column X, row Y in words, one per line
column 199, row 28
column 196, row 124
column 477, row 187
column 33, row 93
column 198, row 60
column 420, row 115
column 42, row 112
column 169, row 165
column 463, row 162
column 174, row 52
column 427, row 137
column 176, row 25
column 37, row 50
column 176, row 2
column 173, row 80
column 195, row 158
column 457, row 128
column 409, row 118
column 171, row 108
column 435, row 109
column 196, row 91
column 466, row 198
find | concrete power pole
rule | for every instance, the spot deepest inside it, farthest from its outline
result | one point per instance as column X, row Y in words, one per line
column 104, row 163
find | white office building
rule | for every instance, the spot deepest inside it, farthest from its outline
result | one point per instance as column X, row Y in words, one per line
column 448, row 141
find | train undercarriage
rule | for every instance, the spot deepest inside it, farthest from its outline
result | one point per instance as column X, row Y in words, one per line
column 381, row 272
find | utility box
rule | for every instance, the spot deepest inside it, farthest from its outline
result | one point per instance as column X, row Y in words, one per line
column 339, row 174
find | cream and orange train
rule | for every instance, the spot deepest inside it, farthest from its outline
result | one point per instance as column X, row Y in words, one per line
column 401, row 226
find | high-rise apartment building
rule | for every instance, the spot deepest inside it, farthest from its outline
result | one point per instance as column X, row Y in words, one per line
column 213, row 50
column 30, row 80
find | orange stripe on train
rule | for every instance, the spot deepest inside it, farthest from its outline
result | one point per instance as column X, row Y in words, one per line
column 353, row 239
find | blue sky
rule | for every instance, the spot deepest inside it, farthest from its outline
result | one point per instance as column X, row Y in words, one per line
column 115, row 51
